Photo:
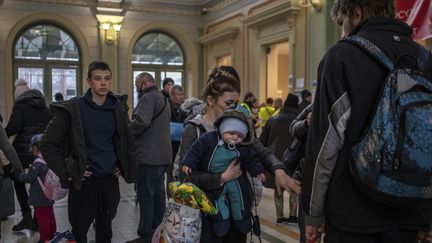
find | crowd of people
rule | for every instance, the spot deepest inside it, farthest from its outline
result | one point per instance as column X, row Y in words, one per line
column 298, row 145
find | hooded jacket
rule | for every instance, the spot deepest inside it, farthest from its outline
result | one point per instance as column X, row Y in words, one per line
column 196, row 127
column 37, row 197
column 29, row 116
column 63, row 145
column 201, row 153
column 276, row 136
column 349, row 83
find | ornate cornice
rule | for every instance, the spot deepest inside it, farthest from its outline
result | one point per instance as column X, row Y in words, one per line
column 280, row 11
column 227, row 33
column 84, row 3
column 170, row 11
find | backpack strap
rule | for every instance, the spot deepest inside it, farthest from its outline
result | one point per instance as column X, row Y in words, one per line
column 370, row 48
column 423, row 58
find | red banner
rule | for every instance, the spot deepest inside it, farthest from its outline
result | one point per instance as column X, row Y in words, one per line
column 417, row 14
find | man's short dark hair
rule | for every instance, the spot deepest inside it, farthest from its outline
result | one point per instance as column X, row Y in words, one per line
column 369, row 8
column 167, row 80
column 58, row 96
column 305, row 93
column 101, row 65
column 269, row 101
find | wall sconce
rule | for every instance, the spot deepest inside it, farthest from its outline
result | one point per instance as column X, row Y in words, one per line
column 316, row 4
column 109, row 40
column 117, row 28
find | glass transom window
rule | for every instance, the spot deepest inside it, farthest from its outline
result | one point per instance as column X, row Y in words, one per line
column 46, row 42
column 157, row 49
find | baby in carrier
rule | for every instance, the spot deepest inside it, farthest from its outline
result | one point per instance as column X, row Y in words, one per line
column 213, row 152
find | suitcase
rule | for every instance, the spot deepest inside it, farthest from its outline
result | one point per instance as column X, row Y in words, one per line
column 7, row 195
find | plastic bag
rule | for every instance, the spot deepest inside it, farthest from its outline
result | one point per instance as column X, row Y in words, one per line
column 181, row 224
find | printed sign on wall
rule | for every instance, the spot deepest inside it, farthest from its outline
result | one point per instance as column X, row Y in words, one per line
column 417, row 14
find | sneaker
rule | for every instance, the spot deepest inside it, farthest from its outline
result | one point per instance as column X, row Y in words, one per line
column 292, row 220
column 137, row 240
column 281, row 220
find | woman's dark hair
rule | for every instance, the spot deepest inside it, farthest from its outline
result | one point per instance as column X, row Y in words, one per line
column 369, row 8
column 221, row 79
column 248, row 97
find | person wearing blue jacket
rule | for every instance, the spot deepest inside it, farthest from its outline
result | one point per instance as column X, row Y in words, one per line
column 213, row 152
column 43, row 207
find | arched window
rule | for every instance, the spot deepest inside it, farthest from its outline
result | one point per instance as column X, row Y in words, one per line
column 160, row 55
column 48, row 58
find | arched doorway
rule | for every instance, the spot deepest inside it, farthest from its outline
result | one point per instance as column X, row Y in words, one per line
column 160, row 55
column 48, row 58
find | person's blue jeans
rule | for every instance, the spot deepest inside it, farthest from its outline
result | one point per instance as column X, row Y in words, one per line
column 151, row 198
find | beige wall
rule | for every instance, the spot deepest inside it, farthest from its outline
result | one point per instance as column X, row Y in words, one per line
column 248, row 33
column 222, row 39
column 283, row 72
column 277, row 72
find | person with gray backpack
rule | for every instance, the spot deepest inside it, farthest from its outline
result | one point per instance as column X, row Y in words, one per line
column 367, row 175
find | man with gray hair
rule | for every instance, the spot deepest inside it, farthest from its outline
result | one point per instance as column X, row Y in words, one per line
column 349, row 86
column 151, row 125
column 178, row 116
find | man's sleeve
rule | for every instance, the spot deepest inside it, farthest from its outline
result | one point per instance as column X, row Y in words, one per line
column 251, row 161
column 15, row 121
column 8, row 150
column 331, row 111
column 141, row 119
column 52, row 144
column 264, row 137
column 266, row 157
column 195, row 154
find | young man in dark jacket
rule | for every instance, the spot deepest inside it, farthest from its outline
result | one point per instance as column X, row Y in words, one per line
column 349, row 82
column 88, row 145
column 29, row 117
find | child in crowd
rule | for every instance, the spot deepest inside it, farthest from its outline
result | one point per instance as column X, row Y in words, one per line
column 213, row 152
column 43, row 207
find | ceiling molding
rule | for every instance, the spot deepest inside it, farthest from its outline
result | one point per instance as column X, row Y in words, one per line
column 222, row 21
column 226, row 33
column 84, row 3
column 270, row 14
column 171, row 11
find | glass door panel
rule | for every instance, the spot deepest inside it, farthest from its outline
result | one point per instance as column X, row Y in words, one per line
column 64, row 80
column 33, row 76
column 176, row 76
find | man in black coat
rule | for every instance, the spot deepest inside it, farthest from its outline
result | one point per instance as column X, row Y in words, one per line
column 277, row 138
column 89, row 145
column 349, row 83
column 29, row 117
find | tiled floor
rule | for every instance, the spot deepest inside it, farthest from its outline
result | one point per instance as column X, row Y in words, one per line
column 125, row 223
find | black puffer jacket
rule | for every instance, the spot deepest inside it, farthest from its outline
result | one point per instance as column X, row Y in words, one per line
column 63, row 145
column 29, row 116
